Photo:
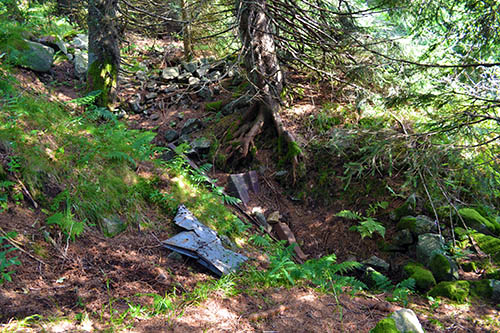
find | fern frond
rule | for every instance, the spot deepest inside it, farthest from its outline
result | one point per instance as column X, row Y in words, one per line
column 349, row 215
column 89, row 99
column 345, row 267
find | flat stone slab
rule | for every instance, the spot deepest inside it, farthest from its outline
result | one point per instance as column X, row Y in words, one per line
column 203, row 244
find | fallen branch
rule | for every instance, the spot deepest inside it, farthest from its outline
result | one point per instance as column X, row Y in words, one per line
column 268, row 313
column 11, row 242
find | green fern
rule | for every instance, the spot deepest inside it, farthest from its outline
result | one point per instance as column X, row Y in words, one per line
column 347, row 214
column 67, row 223
column 119, row 156
column 260, row 241
column 88, row 99
column 368, row 227
column 325, row 273
column 96, row 113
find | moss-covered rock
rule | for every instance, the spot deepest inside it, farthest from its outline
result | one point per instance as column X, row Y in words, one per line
column 495, row 275
column 386, row 325
column 454, row 290
column 424, row 280
column 475, row 220
column 213, row 106
column 443, row 268
column 407, row 222
column 469, row 266
column 489, row 245
column 427, row 246
column 408, row 208
column 482, row 288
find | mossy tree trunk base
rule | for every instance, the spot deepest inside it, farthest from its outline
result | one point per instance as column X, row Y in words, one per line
column 104, row 51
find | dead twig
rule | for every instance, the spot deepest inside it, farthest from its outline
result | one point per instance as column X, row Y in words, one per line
column 11, row 242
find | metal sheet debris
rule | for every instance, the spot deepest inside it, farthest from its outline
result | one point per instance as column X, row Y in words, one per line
column 241, row 184
column 202, row 243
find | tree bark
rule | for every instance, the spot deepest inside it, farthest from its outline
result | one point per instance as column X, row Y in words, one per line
column 264, row 74
column 186, row 31
column 104, row 51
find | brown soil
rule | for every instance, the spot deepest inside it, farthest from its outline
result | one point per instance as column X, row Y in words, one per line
column 94, row 273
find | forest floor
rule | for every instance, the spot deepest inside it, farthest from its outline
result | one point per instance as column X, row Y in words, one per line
column 104, row 276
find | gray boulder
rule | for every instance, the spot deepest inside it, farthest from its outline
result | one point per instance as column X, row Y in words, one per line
column 424, row 225
column 37, row 57
column 495, row 295
column 402, row 238
column 427, row 246
column 113, row 225
column 193, row 81
column 190, row 67
column 191, row 125
column 202, row 71
column 184, row 77
column 201, row 145
column 205, row 93
column 377, row 263
column 141, row 75
column 171, row 135
column 170, row 73
column 81, row 63
column 135, row 103
column 62, row 46
column 407, row 321
column 81, row 42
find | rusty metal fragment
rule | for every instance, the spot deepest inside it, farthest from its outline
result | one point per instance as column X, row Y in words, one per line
column 202, row 243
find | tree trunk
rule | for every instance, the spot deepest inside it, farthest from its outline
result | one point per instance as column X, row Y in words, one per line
column 104, row 51
column 264, row 74
column 186, row 31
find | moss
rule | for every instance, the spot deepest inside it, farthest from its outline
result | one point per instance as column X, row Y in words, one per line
column 469, row 266
column 424, row 280
column 440, row 267
column 489, row 245
column 386, row 325
column 475, row 220
column 103, row 76
column 408, row 208
column 213, row 106
column 407, row 222
column 481, row 289
column 454, row 290
column 495, row 275
column 3, row 174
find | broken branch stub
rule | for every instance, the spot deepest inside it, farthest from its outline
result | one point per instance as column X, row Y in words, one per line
column 203, row 244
